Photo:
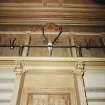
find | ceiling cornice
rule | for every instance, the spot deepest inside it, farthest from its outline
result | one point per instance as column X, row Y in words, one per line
column 72, row 14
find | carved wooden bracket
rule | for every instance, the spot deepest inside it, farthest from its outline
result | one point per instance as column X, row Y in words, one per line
column 79, row 67
column 19, row 68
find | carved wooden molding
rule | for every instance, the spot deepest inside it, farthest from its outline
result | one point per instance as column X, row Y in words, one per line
column 60, row 21
column 52, row 33
column 54, row 59
column 51, row 65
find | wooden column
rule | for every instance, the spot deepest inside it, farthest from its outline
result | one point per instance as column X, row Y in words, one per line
column 79, row 84
column 19, row 81
column 74, row 54
column 27, row 42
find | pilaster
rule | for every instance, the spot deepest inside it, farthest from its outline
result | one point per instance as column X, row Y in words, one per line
column 79, row 83
column 19, row 82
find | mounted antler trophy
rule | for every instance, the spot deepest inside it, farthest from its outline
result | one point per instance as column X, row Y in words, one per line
column 51, row 27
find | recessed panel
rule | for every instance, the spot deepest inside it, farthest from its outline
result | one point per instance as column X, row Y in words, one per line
column 49, row 99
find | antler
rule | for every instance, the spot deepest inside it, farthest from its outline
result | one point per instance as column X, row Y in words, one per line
column 46, row 39
column 60, row 29
column 12, row 43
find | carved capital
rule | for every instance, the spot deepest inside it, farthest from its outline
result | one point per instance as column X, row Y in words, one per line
column 79, row 67
column 19, row 68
